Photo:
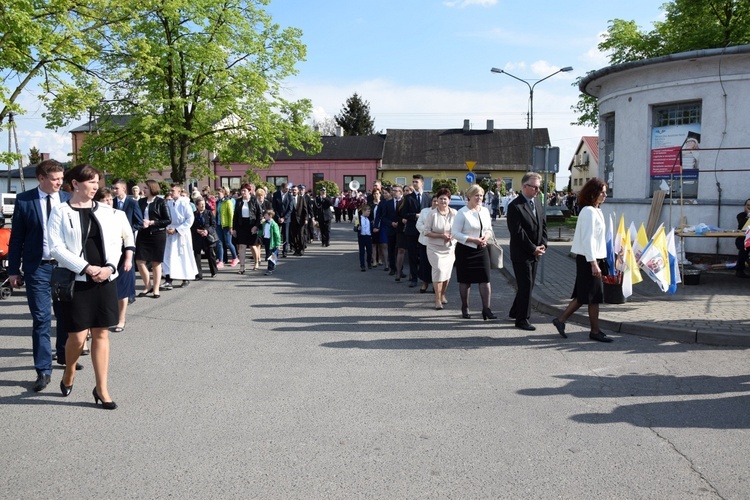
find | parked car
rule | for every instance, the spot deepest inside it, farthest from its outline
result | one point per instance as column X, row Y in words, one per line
column 457, row 202
column 7, row 204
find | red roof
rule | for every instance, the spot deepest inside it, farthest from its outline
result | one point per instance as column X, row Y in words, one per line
column 592, row 142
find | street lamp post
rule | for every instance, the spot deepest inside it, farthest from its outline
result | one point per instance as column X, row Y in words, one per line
column 531, row 104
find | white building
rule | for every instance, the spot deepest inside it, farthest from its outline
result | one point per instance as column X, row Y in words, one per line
column 686, row 113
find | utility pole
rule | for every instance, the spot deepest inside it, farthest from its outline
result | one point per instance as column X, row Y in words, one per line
column 12, row 128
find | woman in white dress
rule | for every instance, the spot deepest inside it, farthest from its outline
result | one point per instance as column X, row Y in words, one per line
column 440, row 244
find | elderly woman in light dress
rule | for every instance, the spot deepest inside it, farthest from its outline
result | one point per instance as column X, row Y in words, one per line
column 440, row 244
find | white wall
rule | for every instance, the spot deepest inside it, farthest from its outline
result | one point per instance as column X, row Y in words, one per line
column 721, row 82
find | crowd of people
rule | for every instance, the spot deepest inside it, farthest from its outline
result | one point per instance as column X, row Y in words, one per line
column 101, row 236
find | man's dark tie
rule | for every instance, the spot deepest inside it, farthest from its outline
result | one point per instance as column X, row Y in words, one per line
column 419, row 200
column 49, row 205
column 533, row 208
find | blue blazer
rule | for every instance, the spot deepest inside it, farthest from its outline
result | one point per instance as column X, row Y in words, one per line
column 133, row 213
column 27, row 234
column 386, row 215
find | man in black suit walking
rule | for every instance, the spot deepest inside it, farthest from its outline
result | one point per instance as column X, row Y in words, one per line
column 388, row 213
column 323, row 206
column 283, row 205
column 28, row 244
column 528, row 242
column 416, row 201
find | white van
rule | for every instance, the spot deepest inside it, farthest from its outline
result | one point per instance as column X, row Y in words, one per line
column 7, row 204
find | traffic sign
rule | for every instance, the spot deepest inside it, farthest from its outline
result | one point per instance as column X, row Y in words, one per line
column 470, row 165
column 471, row 177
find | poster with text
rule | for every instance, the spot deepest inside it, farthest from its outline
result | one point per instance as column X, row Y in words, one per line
column 675, row 158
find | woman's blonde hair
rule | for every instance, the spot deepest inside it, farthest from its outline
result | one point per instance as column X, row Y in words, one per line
column 474, row 189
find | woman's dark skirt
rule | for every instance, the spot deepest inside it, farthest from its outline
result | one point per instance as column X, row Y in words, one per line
column 588, row 288
column 472, row 264
column 149, row 247
column 245, row 234
column 94, row 305
column 125, row 281
column 401, row 241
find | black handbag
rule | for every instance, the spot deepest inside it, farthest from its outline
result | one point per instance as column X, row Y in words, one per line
column 62, row 282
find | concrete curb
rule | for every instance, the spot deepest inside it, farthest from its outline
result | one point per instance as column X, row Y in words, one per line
column 542, row 303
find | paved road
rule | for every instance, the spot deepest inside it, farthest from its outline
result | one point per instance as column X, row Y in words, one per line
column 325, row 382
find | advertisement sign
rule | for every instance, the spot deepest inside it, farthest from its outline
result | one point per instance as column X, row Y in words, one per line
column 669, row 169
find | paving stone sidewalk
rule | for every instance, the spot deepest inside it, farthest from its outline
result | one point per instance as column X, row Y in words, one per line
column 714, row 312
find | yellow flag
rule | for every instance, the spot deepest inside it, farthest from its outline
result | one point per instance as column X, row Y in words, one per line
column 640, row 243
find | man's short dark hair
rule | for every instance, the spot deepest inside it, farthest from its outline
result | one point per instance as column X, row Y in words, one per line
column 119, row 181
column 48, row 166
column 418, row 176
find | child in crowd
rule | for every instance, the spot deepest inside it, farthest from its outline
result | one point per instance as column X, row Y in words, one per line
column 363, row 226
column 271, row 239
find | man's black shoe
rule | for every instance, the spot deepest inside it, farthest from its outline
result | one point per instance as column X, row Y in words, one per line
column 79, row 366
column 42, row 381
column 391, row 273
column 412, row 284
column 185, row 283
column 526, row 326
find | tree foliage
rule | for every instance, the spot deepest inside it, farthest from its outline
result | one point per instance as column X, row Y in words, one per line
column 193, row 77
column 355, row 117
column 438, row 184
column 332, row 189
column 34, row 156
column 688, row 25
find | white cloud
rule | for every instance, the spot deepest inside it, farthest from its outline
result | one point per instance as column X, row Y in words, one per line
column 466, row 3
column 58, row 145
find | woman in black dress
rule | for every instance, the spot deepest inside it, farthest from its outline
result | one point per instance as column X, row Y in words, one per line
column 151, row 240
column 471, row 228
column 246, row 222
column 86, row 238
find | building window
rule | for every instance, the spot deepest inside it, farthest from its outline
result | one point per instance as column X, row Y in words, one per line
column 427, row 184
column 609, row 152
column 277, row 180
column 361, row 179
column 508, row 183
column 230, row 182
column 678, row 114
column 400, row 180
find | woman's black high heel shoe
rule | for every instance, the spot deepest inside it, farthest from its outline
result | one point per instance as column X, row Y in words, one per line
column 465, row 313
column 111, row 405
column 487, row 314
column 145, row 293
column 66, row 389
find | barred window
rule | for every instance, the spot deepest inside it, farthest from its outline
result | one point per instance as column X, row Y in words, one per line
column 677, row 114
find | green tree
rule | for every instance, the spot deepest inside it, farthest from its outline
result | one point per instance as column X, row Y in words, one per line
column 355, row 117
column 48, row 49
column 438, row 184
column 332, row 189
column 199, row 76
column 687, row 25
column 34, row 156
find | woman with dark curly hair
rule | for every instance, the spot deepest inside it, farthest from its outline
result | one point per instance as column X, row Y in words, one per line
column 590, row 247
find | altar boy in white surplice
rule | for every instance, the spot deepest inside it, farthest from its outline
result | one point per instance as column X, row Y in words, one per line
column 179, row 262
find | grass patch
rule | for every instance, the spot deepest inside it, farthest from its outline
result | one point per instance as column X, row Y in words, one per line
column 569, row 222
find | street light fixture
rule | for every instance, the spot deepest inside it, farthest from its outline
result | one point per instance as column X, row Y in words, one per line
column 531, row 104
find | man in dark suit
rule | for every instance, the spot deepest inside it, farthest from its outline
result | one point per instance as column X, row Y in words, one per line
column 283, row 205
column 28, row 244
column 132, row 211
column 298, row 222
column 384, row 220
column 528, row 242
column 415, row 202
column 323, row 206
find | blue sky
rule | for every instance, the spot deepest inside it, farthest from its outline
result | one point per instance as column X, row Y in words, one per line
column 426, row 63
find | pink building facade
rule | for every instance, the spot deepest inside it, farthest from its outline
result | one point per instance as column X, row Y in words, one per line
column 341, row 160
